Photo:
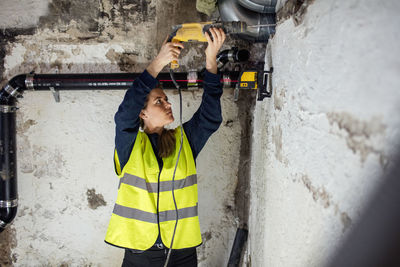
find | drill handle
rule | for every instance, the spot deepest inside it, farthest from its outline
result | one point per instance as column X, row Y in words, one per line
column 174, row 63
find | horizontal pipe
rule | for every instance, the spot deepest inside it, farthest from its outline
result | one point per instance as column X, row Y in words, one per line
column 232, row 55
column 116, row 81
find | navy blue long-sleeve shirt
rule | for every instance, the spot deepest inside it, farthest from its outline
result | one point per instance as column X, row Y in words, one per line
column 205, row 121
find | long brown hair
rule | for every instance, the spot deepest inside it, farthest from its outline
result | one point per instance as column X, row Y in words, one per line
column 166, row 141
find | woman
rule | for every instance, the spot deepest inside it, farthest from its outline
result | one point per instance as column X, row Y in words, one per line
column 144, row 217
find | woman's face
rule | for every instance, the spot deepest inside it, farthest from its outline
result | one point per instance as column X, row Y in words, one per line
column 158, row 112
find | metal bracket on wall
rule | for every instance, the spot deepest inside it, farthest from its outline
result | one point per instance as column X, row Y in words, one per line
column 259, row 80
column 265, row 89
column 56, row 94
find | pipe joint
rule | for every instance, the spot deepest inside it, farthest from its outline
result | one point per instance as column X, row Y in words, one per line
column 11, row 90
column 7, row 215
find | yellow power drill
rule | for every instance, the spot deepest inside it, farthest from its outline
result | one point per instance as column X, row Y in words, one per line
column 194, row 32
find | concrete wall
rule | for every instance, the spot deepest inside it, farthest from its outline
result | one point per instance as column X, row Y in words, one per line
column 319, row 148
column 328, row 134
column 66, row 180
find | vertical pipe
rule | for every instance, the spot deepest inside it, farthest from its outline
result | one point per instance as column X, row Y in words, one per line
column 8, row 163
column 236, row 252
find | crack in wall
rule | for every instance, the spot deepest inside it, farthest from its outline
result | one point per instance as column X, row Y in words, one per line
column 246, row 105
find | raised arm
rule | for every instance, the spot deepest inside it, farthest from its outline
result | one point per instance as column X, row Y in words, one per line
column 208, row 117
column 127, row 116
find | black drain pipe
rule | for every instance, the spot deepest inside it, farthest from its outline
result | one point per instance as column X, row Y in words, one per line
column 55, row 82
column 8, row 150
column 115, row 81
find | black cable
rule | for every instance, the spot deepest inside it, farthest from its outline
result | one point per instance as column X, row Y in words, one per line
column 171, row 73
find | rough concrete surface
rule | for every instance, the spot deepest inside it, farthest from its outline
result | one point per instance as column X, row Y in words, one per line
column 312, row 154
column 324, row 140
column 66, row 180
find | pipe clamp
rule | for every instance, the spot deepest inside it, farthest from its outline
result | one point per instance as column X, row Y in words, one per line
column 192, row 80
column 11, row 90
column 29, row 82
column 226, row 80
column 7, row 109
column 231, row 56
column 9, row 203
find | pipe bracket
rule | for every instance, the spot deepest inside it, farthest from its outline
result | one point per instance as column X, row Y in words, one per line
column 7, row 109
column 11, row 90
column 192, row 80
column 56, row 94
column 9, row 203
column 29, row 82
column 226, row 80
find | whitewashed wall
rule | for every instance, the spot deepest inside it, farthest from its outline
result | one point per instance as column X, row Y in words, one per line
column 325, row 138
column 67, row 185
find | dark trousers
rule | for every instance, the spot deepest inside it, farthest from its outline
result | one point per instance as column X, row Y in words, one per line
column 156, row 258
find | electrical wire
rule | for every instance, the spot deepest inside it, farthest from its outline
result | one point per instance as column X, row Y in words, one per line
column 171, row 73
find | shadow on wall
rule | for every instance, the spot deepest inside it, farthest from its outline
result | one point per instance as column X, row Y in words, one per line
column 375, row 240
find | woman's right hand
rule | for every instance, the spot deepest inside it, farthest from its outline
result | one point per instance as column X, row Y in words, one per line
column 214, row 45
column 169, row 51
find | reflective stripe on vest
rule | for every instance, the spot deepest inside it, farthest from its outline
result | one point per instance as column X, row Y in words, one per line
column 164, row 216
column 135, row 222
column 152, row 187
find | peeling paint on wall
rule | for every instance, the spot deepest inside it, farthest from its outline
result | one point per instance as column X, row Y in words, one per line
column 329, row 133
column 277, row 140
column 295, row 9
column 279, row 99
column 63, row 12
column 95, row 200
column 321, row 196
column 126, row 60
column 8, row 242
column 9, row 36
column 69, row 145
column 359, row 134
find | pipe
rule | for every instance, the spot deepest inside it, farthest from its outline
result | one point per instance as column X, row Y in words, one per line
column 261, row 6
column 232, row 55
column 237, row 247
column 231, row 10
column 115, row 81
column 8, row 158
column 54, row 82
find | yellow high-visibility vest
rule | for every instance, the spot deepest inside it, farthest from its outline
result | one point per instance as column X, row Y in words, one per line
column 136, row 221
